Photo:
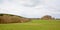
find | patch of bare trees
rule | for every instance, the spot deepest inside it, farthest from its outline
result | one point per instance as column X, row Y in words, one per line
column 12, row 19
column 47, row 17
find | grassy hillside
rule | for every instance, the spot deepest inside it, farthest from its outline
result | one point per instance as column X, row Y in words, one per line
column 33, row 25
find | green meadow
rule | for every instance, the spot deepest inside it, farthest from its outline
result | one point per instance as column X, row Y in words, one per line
column 33, row 25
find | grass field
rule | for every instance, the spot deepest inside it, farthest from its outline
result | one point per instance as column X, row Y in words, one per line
column 33, row 25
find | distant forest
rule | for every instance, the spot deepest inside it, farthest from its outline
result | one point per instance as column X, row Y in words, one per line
column 9, row 18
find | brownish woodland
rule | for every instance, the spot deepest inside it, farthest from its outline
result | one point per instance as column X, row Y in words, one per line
column 8, row 18
column 47, row 17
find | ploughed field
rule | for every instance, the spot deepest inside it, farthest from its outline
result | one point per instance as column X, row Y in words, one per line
column 33, row 25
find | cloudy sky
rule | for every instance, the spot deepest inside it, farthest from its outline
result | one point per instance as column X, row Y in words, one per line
column 31, row 8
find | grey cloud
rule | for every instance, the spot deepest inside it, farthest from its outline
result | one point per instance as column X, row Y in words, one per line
column 32, row 3
column 51, row 8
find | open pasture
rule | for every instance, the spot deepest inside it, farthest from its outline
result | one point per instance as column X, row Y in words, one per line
column 33, row 25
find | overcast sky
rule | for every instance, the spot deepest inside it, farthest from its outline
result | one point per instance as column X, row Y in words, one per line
column 31, row 8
